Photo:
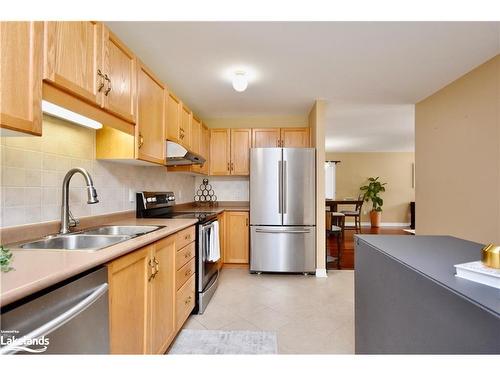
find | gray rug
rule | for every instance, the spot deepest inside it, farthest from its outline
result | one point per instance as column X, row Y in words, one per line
column 190, row 341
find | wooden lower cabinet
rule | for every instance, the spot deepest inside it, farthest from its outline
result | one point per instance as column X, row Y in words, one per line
column 162, row 323
column 236, row 246
column 145, row 308
column 129, row 302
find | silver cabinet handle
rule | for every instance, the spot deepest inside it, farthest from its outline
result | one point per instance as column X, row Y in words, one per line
column 57, row 322
column 280, row 187
column 284, row 187
column 294, row 231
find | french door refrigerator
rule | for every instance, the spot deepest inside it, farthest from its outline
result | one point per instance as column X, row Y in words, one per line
column 282, row 210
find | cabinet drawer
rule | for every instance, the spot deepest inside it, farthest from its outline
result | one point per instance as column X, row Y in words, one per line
column 184, row 273
column 184, row 302
column 184, row 255
column 184, row 237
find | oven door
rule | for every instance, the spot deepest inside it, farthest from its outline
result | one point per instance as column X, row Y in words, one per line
column 207, row 269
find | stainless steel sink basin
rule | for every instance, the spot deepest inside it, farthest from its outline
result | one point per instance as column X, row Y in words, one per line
column 122, row 230
column 74, row 242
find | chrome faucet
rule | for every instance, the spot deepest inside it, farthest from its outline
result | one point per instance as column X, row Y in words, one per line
column 67, row 219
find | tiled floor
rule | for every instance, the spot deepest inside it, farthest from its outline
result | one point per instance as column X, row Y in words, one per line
column 310, row 315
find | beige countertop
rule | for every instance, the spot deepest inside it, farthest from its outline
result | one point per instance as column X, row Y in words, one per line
column 222, row 206
column 35, row 270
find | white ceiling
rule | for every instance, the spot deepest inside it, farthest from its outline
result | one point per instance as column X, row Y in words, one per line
column 368, row 72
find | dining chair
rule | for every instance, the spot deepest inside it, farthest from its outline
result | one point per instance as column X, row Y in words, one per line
column 356, row 214
column 338, row 232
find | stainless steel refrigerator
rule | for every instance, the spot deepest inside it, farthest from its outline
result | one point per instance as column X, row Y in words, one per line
column 282, row 210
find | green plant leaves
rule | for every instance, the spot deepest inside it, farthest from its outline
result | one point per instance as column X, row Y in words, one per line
column 372, row 191
column 5, row 259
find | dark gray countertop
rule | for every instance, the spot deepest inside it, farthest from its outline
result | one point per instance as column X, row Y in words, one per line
column 435, row 257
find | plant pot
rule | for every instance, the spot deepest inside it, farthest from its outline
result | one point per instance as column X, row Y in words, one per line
column 375, row 218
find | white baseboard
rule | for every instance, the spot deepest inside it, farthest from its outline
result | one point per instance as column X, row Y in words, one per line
column 321, row 272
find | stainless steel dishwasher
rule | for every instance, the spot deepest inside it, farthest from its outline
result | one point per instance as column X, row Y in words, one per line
column 70, row 319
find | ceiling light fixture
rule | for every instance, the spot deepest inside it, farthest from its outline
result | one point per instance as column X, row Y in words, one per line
column 240, row 81
column 65, row 114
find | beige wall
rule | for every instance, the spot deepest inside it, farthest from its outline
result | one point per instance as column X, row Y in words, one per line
column 395, row 168
column 458, row 157
column 317, row 123
column 33, row 168
column 258, row 122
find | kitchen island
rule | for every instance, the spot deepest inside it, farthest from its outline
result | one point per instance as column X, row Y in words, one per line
column 409, row 301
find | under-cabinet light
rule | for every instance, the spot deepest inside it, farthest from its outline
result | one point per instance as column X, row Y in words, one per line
column 65, row 114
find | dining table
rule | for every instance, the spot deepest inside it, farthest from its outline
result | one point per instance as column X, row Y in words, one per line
column 334, row 203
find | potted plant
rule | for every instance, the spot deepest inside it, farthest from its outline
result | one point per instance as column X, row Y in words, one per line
column 371, row 193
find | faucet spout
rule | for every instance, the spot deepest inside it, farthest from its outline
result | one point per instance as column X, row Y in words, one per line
column 91, row 197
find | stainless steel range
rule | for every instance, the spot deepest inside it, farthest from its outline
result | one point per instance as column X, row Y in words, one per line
column 161, row 205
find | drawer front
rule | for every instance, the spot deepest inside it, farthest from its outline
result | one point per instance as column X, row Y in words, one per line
column 185, row 237
column 184, row 302
column 184, row 273
column 184, row 255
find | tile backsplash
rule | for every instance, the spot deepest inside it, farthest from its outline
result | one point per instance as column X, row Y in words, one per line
column 33, row 169
column 228, row 188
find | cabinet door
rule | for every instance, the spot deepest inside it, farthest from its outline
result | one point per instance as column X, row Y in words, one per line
column 241, row 140
column 21, row 76
column 236, row 249
column 72, row 57
column 295, row 137
column 196, row 136
column 185, row 127
column 150, row 129
column 120, row 68
column 163, row 295
column 173, row 117
column 128, row 303
column 266, row 137
column 220, row 140
column 222, row 237
column 205, row 148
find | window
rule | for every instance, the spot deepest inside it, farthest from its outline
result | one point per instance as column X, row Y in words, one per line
column 330, row 167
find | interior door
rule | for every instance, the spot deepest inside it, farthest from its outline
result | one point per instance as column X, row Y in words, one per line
column 299, row 203
column 265, row 185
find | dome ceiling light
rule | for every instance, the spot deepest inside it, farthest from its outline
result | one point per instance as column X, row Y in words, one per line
column 240, row 81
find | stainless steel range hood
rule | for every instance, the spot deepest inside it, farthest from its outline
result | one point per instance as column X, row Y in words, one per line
column 178, row 155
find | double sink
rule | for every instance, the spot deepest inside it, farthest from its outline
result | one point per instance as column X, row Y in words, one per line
column 91, row 239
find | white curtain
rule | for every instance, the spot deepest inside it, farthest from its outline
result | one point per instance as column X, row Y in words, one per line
column 330, row 180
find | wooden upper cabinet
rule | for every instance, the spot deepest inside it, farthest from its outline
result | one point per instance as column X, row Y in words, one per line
column 119, row 69
column 162, row 296
column 294, row 137
column 173, row 117
column 196, row 136
column 280, row 137
column 220, row 148
column 129, row 311
column 185, row 127
column 21, row 76
column 237, row 232
column 150, row 128
column 241, row 141
column 73, row 58
column 266, row 137
column 205, row 148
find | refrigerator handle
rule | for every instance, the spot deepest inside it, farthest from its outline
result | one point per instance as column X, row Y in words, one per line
column 283, row 208
column 280, row 187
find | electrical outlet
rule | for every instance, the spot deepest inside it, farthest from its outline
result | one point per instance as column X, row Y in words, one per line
column 131, row 195
column 179, row 194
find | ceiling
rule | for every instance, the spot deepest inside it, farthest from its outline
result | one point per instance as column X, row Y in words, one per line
column 370, row 73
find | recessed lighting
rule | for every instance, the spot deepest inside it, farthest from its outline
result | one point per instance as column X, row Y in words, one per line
column 240, row 81
column 65, row 114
